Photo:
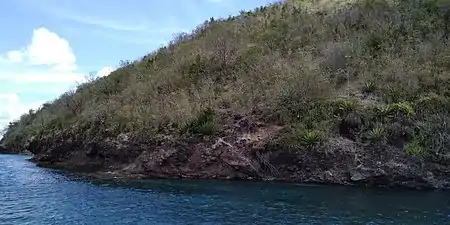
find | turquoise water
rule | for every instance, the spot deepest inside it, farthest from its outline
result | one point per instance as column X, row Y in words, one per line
column 32, row 195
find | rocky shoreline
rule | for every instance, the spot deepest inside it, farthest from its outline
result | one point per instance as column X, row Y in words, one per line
column 240, row 155
column 358, row 179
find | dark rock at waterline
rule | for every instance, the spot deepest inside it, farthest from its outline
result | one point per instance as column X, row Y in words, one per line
column 2, row 149
column 239, row 154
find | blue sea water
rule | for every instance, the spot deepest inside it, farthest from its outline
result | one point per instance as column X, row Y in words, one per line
column 38, row 196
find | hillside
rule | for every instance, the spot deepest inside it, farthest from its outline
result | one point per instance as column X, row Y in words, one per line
column 344, row 92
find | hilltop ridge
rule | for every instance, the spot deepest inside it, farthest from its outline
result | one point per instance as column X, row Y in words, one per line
column 343, row 92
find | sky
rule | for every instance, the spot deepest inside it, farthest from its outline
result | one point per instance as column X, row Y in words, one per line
column 48, row 46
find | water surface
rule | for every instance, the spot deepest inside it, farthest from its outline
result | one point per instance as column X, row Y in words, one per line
column 37, row 196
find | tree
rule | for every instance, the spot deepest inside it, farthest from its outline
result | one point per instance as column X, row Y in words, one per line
column 72, row 102
column 91, row 77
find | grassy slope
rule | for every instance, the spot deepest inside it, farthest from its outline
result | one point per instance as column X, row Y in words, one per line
column 377, row 72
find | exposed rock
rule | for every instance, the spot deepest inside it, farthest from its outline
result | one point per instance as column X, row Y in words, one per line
column 242, row 154
column 362, row 173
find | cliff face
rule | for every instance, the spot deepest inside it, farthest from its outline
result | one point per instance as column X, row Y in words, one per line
column 245, row 149
column 347, row 93
column 243, row 152
column 4, row 150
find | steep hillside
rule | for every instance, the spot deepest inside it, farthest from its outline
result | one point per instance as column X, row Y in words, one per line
column 345, row 92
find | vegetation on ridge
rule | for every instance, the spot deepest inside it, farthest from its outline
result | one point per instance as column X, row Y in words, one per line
column 375, row 72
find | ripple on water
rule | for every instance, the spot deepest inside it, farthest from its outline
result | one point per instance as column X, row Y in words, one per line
column 32, row 195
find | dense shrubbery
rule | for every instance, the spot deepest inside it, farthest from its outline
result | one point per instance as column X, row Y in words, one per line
column 371, row 71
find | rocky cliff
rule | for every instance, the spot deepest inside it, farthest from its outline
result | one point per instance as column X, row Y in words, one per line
column 245, row 152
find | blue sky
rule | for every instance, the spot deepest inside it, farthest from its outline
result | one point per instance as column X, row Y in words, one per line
column 47, row 46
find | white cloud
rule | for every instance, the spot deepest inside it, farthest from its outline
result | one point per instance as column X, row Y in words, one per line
column 8, row 103
column 47, row 58
column 14, row 56
column 11, row 108
column 46, row 64
column 105, row 71
column 46, row 49
column 47, row 77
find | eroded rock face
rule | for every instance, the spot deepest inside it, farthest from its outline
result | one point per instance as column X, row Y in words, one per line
column 4, row 150
column 240, row 153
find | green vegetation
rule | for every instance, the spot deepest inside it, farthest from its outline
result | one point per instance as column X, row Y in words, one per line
column 305, row 65
column 377, row 134
column 369, row 87
column 415, row 149
column 203, row 124
column 310, row 138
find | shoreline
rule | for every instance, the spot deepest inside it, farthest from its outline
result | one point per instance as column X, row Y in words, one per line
column 116, row 175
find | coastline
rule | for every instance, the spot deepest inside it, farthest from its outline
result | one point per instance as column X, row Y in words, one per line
column 124, row 177
column 346, row 177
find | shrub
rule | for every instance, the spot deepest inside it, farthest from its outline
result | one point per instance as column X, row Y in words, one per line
column 347, row 106
column 404, row 109
column 434, row 133
column 392, row 94
column 369, row 87
column 432, row 103
column 382, row 111
column 194, row 69
column 377, row 134
column 300, row 135
column 374, row 44
column 393, row 110
column 354, row 119
column 203, row 124
column 207, row 128
column 303, row 93
column 414, row 148
column 319, row 113
column 310, row 138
